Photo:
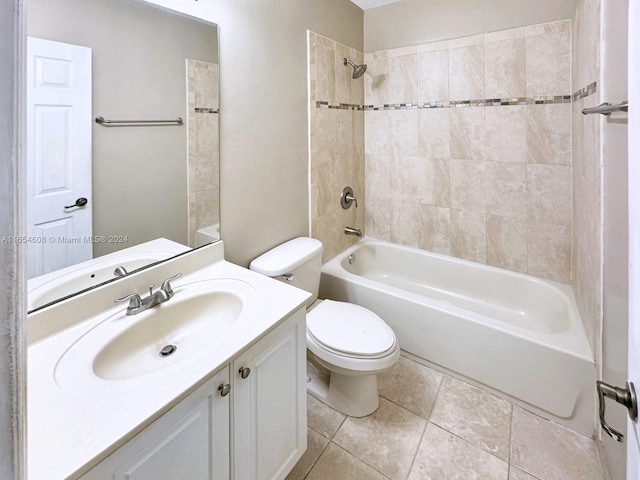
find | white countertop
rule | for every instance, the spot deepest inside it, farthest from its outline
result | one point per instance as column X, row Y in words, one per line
column 73, row 427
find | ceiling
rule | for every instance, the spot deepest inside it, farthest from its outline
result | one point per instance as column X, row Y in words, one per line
column 367, row 4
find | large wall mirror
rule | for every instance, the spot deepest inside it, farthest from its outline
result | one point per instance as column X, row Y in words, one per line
column 95, row 189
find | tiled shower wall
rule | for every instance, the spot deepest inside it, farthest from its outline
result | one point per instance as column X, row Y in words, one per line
column 203, row 146
column 587, row 170
column 468, row 148
column 337, row 142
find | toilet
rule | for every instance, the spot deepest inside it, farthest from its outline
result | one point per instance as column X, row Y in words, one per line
column 347, row 345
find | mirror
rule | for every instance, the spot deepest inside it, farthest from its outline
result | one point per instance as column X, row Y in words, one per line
column 95, row 189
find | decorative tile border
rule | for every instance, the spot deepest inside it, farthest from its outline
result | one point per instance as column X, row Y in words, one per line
column 585, row 92
column 339, row 106
column 487, row 102
column 205, row 110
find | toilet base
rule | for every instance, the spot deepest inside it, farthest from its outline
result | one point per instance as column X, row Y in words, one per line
column 353, row 395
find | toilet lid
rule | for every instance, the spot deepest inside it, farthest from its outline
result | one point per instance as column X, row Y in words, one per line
column 350, row 329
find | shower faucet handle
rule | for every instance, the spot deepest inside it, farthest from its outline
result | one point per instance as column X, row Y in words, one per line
column 347, row 198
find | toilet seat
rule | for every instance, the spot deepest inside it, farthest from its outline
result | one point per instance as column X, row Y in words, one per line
column 349, row 330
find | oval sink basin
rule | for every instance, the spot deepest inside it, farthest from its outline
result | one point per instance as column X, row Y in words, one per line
column 123, row 347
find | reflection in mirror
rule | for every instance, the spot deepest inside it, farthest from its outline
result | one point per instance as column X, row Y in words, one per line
column 96, row 189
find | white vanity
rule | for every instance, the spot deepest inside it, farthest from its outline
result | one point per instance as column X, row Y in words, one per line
column 108, row 398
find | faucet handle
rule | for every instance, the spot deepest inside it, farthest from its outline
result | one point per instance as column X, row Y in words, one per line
column 134, row 300
column 166, row 285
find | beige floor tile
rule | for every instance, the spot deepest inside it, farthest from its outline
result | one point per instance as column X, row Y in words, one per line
column 442, row 455
column 338, row 464
column 482, row 419
column 410, row 385
column 316, row 444
column 517, row 474
column 322, row 418
column 387, row 439
column 551, row 452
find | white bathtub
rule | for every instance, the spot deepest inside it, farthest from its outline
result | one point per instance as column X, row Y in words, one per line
column 514, row 333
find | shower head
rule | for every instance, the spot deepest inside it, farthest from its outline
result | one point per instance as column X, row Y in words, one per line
column 358, row 70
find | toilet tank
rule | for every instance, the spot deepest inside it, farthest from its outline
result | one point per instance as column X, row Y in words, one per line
column 296, row 262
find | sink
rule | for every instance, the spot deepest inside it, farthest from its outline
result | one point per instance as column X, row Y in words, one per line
column 122, row 347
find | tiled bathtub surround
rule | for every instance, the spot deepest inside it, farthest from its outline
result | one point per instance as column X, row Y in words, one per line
column 587, row 172
column 337, row 142
column 203, row 145
column 488, row 178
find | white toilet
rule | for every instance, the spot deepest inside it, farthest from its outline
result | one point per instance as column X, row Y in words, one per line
column 347, row 345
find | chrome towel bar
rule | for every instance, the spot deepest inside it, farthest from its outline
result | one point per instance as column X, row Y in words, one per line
column 137, row 123
column 607, row 108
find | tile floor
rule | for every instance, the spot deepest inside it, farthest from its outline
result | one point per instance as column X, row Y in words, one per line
column 432, row 426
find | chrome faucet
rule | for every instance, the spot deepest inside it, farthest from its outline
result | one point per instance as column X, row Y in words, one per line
column 120, row 272
column 137, row 304
column 353, row 231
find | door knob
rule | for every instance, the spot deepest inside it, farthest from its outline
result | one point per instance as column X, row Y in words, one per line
column 224, row 389
column 624, row 396
column 244, row 372
column 80, row 202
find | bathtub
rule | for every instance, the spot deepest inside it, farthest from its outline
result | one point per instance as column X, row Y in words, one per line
column 511, row 332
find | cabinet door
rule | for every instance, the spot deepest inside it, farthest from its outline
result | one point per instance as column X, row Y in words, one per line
column 189, row 442
column 269, row 405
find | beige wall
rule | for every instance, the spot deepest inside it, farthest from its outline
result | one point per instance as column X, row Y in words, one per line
column 412, row 22
column 139, row 53
column 264, row 112
column 490, row 184
column 337, row 142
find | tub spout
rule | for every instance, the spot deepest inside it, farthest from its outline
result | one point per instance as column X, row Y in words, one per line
column 353, row 231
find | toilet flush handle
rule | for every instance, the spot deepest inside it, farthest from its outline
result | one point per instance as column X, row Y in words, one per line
column 288, row 276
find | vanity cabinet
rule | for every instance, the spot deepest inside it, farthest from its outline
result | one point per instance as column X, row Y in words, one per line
column 247, row 422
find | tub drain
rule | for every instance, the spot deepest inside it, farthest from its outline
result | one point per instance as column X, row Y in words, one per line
column 168, row 350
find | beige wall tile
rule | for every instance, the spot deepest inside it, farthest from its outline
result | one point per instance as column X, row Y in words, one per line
column 466, row 73
column 405, row 222
column 435, row 229
column 378, row 132
column 506, row 189
column 560, row 26
column 325, row 74
column 547, row 450
column 474, row 415
column 549, row 133
column 549, row 194
column 343, row 80
column 517, row 474
column 438, row 189
column 500, row 35
column 549, row 251
column 467, row 133
column 409, row 179
column 376, row 82
column 468, row 185
column 505, row 69
column 444, row 455
column 403, row 80
column 404, row 128
column 433, row 76
column 507, row 243
column 548, row 64
column 506, row 133
column 468, row 235
column 433, row 133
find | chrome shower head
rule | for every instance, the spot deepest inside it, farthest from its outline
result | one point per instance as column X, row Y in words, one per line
column 358, row 70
